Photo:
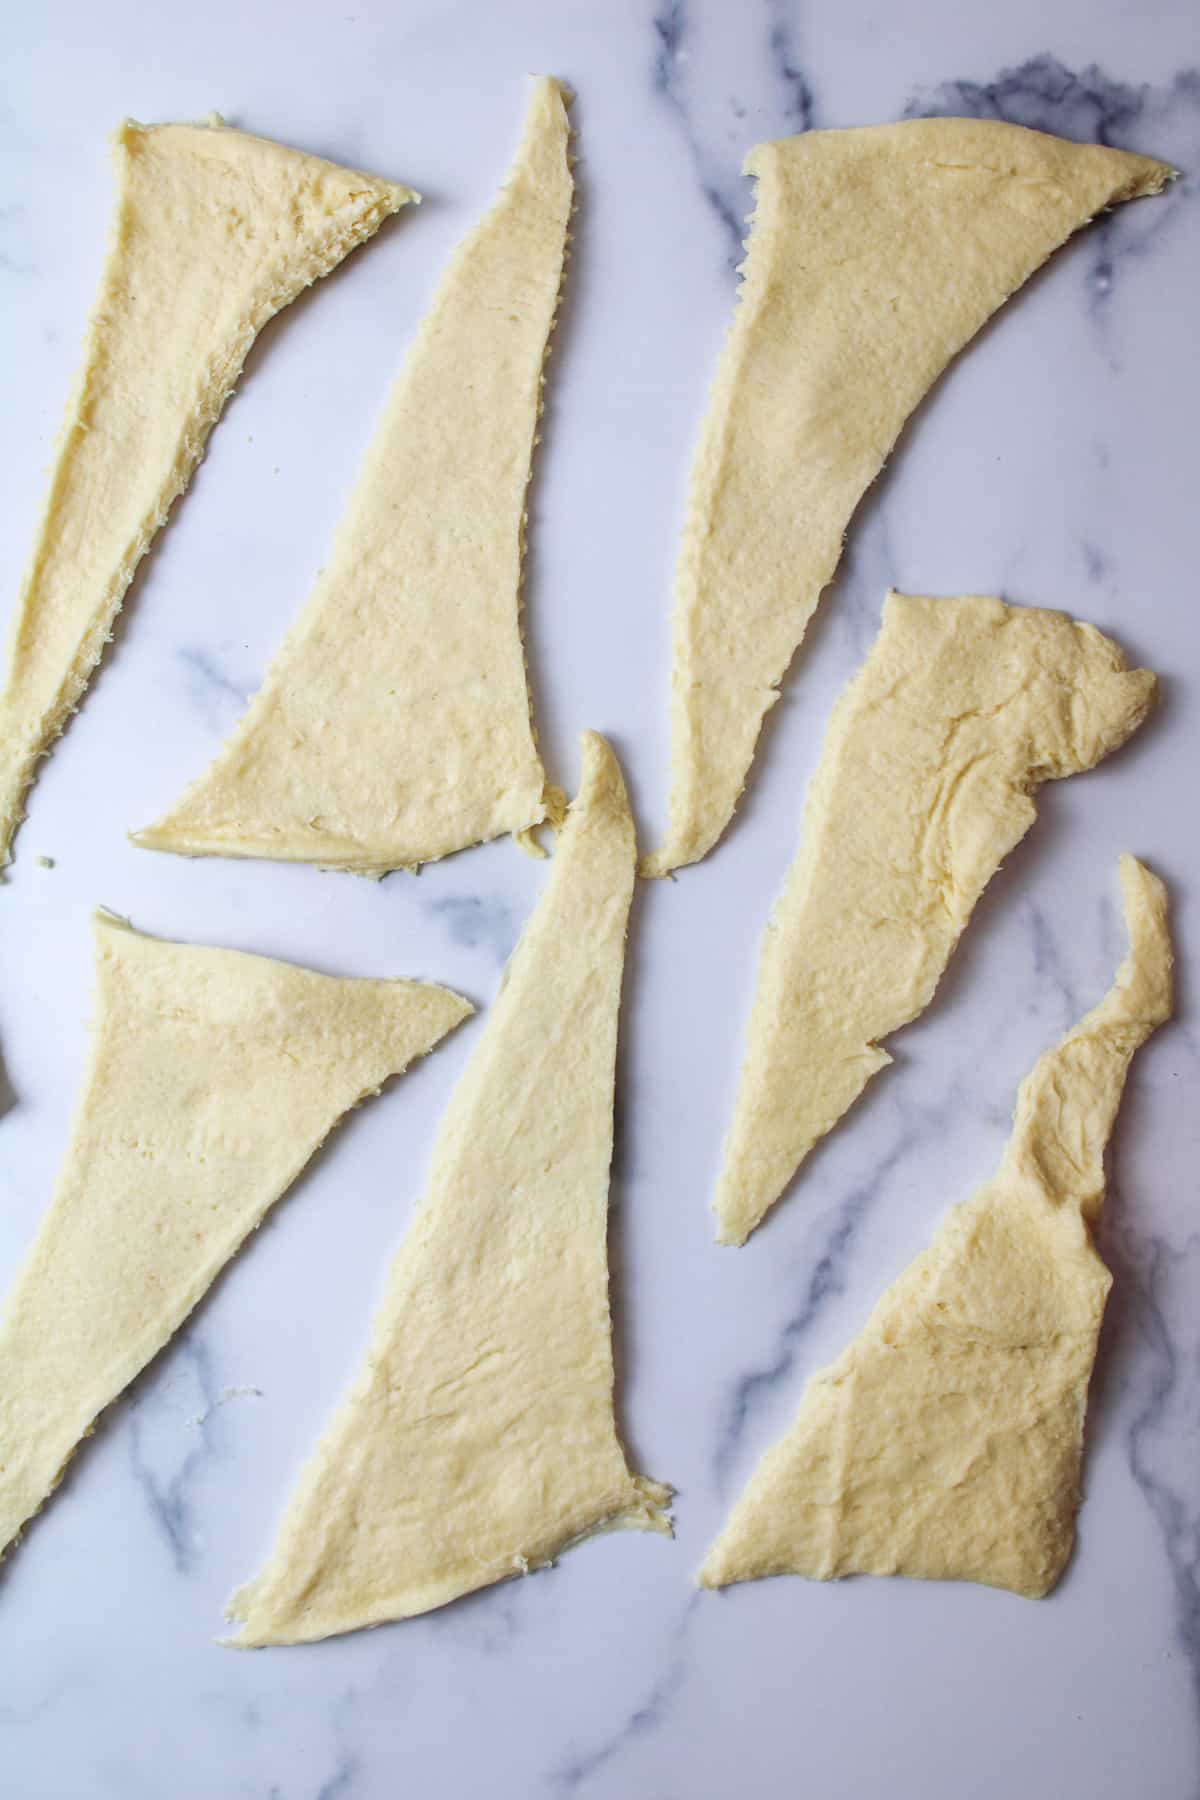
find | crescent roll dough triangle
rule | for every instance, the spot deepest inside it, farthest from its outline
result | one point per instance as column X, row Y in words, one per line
column 874, row 256
column 393, row 727
column 214, row 1077
column 215, row 231
column 479, row 1441
column 946, row 1441
column 960, row 712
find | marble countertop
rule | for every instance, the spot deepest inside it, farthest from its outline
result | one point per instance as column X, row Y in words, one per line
column 1058, row 464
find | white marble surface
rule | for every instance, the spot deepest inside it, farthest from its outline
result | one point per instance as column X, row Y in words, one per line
column 1058, row 464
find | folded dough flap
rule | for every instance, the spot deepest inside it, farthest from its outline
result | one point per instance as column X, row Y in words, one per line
column 946, row 1441
column 214, row 1076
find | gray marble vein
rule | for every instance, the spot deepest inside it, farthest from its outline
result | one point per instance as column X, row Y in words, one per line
column 478, row 922
column 488, row 1623
column 579, row 1768
column 704, row 95
column 1163, row 1438
column 1090, row 106
column 170, row 1436
column 1097, row 565
column 344, row 1778
column 219, row 696
column 722, row 193
column 826, row 1279
column 1046, row 95
column 798, row 108
column 1050, row 967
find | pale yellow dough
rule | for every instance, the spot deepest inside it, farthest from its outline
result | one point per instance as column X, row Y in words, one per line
column 479, row 1441
column 960, row 712
column 215, row 231
column 394, row 725
column 946, row 1441
column 874, row 256
column 214, row 1076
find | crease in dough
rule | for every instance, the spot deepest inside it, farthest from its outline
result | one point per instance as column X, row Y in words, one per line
column 926, row 782
column 874, row 256
column 946, row 1441
column 215, row 231
column 214, row 1077
column 479, row 1441
column 394, row 726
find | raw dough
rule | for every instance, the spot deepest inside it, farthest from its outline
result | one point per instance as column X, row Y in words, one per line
column 394, row 727
column 214, row 1076
column 962, row 709
column 214, row 233
column 946, row 1441
column 874, row 257
column 479, row 1441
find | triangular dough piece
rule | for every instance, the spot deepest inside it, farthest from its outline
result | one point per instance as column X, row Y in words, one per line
column 215, row 232
column 946, row 1441
column 394, row 726
column 960, row 712
column 479, row 1441
column 214, row 1077
column 874, row 257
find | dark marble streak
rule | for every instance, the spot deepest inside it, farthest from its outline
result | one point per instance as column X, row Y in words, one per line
column 721, row 190
column 347, row 1762
column 489, row 1621
column 1157, row 1285
column 1097, row 564
column 1050, row 970
column 572, row 1775
column 1091, row 107
column 1046, row 95
column 792, row 108
column 478, row 921
column 799, row 104
column 345, row 1776
column 208, row 682
column 168, row 1498
column 827, row 1279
